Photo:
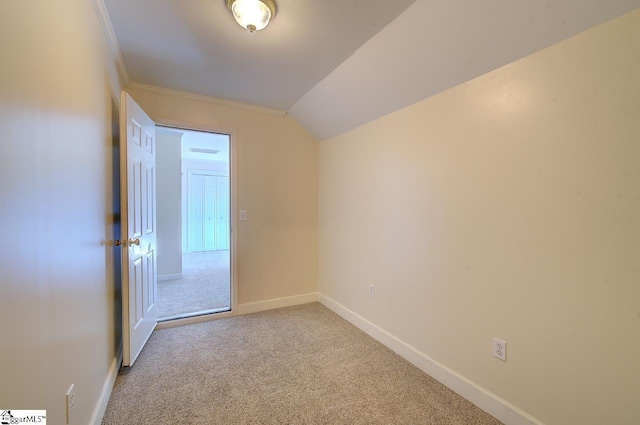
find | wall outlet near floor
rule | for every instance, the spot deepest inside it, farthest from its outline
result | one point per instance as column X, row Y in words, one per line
column 71, row 403
column 499, row 349
column 372, row 291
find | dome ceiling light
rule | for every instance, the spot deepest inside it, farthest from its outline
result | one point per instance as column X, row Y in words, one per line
column 252, row 15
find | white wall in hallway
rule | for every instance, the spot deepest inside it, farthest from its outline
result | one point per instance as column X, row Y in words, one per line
column 169, row 202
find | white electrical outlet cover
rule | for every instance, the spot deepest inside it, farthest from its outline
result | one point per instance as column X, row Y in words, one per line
column 499, row 349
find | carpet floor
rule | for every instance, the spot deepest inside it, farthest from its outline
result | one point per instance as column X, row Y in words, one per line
column 296, row 365
column 205, row 285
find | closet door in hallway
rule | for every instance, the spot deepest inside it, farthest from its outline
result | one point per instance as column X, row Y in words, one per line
column 208, row 211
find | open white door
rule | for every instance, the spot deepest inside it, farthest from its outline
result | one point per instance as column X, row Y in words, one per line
column 138, row 186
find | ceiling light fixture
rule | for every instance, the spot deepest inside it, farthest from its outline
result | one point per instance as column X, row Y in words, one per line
column 252, row 15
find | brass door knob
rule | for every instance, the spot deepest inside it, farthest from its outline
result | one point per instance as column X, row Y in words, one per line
column 118, row 243
column 134, row 242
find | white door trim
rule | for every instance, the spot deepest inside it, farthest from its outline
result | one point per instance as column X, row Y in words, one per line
column 233, row 206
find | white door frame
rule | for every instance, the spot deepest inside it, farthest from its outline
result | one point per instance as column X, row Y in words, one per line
column 233, row 221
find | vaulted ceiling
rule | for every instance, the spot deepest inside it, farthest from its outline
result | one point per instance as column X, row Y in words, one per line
column 337, row 64
column 196, row 45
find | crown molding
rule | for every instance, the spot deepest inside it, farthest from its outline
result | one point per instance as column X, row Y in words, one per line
column 205, row 99
column 112, row 40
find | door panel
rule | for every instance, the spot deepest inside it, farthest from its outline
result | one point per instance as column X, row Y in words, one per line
column 222, row 213
column 136, row 280
column 149, row 208
column 138, row 227
column 135, row 198
column 196, row 213
column 150, row 293
column 209, row 213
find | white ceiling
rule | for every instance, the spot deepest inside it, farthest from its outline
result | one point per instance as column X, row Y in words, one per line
column 437, row 44
column 337, row 64
column 196, row 45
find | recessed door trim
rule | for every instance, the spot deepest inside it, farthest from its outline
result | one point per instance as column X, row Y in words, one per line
column 233, row 221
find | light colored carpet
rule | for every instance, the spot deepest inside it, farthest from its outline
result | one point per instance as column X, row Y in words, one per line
column 205, row 285
column 297, row 365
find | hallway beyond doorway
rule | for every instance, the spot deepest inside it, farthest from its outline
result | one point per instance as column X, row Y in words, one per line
column 204, row 287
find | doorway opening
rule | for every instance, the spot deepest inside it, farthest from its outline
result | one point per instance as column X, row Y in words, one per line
column 193, row 223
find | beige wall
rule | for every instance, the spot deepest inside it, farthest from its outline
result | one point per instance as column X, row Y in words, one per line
column 276, row 182
column 505, row 207
column 59, row 317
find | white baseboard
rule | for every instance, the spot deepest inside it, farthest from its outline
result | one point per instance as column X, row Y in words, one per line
column 169, row 277
column 484, row 399
column 277, row 303
column 103, row 401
